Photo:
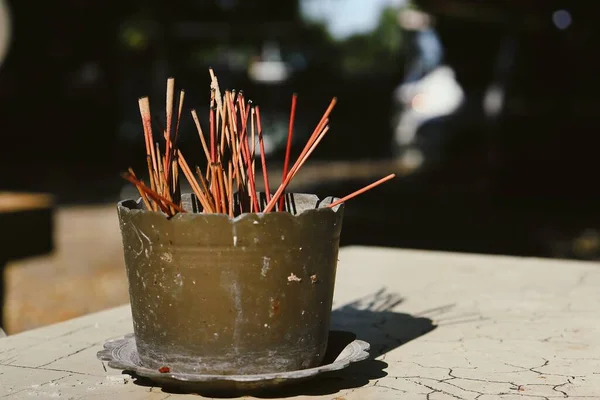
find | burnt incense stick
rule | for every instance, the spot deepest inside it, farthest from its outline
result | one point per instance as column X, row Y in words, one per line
column 141, row 191
column 213, row 152
column 169, row 113
column 205, row 190
column 151, row 177
column 230, row 190
column 144, row 106
column 160, row 200
column 193, row 183
column 221, row 185
column 171, row 145
column 200, row 134
column 214, row 85
column 216, row 193
column 176, row 189
column 146, row 116
column 160, row 174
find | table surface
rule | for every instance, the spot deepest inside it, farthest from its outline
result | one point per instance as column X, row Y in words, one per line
column 11, row 202
column 441, row 326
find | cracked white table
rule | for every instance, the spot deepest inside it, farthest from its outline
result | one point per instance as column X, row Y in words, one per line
column 442, row 326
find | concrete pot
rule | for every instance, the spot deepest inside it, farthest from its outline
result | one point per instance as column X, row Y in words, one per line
column 215, row 295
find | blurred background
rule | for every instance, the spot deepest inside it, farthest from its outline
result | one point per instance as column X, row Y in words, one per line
column 486, row 111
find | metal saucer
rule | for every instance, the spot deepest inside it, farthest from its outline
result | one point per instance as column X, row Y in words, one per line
column 342, row 350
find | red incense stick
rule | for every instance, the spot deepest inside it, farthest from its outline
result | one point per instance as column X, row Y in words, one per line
column 288, row 147
column 262, row 155
column 361, row 191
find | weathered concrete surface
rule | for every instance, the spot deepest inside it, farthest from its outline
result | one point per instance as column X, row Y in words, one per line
column 507, row 328
column 85, row 273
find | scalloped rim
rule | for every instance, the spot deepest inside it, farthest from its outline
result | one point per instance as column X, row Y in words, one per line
column 190, row 216
column 359, row 352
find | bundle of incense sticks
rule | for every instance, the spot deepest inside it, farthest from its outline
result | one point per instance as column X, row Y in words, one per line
column 227, row 184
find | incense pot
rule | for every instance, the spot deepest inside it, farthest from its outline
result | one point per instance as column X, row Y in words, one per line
column 212, row 294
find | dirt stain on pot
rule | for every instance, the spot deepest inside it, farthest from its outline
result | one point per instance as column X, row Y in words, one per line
column 236, row 298
column 265, row 267
column 178, row 279
column 275, row 303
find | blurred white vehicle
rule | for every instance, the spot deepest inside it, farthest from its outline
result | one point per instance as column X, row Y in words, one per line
column 421, row 104
column 428, row 93
column 269, row 68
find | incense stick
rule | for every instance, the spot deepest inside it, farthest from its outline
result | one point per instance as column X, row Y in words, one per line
column 293, row 172
column 141, row 191
column 160, row 200
column 201, row 134
column 288, row 146
column 262, row 155
column 360, row 191
column 171, row 144
column 169, row 113
column 193, row 183
column 228, row 185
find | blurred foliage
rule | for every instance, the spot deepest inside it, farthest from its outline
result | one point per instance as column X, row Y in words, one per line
column 377, row 51
column 222, row 54
column 318, row 47
column 134, row 38
column 319, row 31
column 138, row 32
column 309, row 44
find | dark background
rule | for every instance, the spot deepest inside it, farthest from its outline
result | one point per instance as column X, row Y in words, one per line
column 523, row 183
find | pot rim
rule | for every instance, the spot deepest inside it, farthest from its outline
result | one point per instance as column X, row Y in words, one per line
column 137, row 207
